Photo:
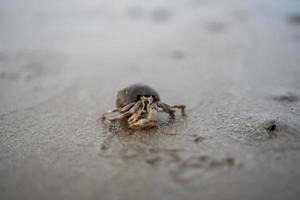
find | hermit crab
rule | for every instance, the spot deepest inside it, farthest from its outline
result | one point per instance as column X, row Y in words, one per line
column 139, row 105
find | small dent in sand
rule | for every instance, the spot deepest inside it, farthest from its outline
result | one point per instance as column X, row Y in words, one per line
column 216, row 27
column 152, row 159
column 271, row 127
column 198, row 139
column 261, row 130
column 159, row 155
column 202, row 165
column 289, row 97
column 294, row 19
column 161, row 14
column 178, row 54
column 103, row 146
column 229, row 161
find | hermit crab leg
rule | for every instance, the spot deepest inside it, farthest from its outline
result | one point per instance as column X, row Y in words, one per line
column 135, row 116
column 171, row 109
column 121, row 110
column 151, row 119
column 132, row 110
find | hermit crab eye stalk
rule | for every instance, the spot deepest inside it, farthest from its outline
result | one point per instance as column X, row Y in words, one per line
column 137, row 99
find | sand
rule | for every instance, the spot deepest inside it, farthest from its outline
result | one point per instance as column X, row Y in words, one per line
column 235, row 64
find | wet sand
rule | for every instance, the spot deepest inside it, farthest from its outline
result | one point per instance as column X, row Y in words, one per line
column 235, row 64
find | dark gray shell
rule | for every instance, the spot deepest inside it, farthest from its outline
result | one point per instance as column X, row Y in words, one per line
column 133, row 92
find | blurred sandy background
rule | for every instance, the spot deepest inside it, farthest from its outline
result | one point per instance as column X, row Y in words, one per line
column 235, row 64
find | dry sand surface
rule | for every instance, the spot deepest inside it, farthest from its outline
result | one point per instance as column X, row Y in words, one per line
column 235, row 64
